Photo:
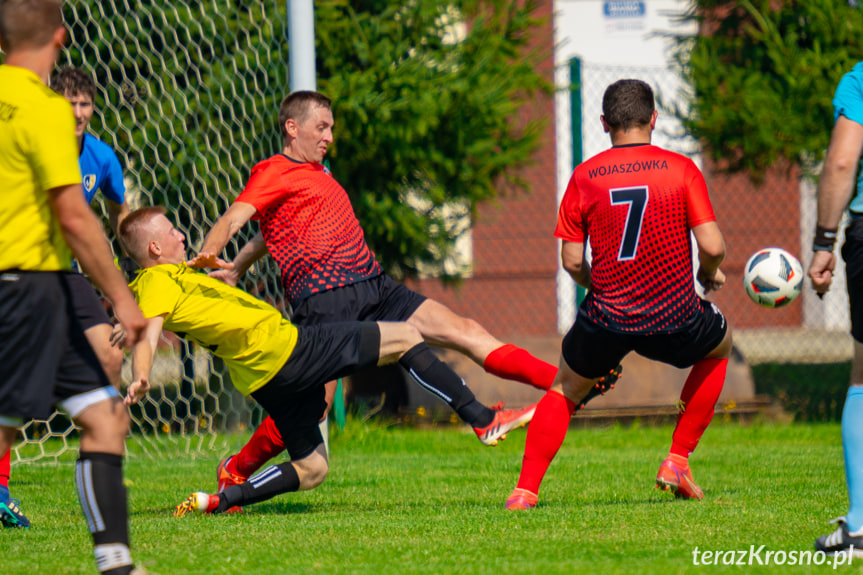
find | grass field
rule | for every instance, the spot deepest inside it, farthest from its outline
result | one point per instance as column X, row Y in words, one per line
column 402, row 501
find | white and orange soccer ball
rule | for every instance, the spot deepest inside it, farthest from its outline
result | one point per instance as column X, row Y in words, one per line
column 773, row 277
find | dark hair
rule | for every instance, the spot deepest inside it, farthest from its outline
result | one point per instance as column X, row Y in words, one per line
column 29, row 23
column 74, row 82
column 627, row 104
column 298, row 105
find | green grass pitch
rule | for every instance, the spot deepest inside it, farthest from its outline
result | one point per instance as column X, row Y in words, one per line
column 404, row 501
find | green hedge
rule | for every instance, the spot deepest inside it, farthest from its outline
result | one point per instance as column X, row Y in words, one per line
column 811, row 392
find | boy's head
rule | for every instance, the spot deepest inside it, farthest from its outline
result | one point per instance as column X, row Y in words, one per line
column 151, row 239
column 78, row 87
column 627, row 104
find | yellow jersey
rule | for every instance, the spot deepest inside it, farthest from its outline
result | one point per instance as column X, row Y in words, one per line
column 38, row 152
column 250, row 335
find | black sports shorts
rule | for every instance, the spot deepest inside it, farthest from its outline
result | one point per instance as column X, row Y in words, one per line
column 380, row 298
column 852, row 253
column 592, row 351
column 294, row 397
column 44, row 355
column 88, row 308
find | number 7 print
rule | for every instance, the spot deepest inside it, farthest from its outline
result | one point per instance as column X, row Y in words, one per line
column 637, row 199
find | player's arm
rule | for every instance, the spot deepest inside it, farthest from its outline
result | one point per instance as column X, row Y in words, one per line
column 83, row 232
column 711, row 252
column 574, row 262
column 254, row 250
column 834, row 191
column 237, row 216
column 116, row 214
column 142, row 360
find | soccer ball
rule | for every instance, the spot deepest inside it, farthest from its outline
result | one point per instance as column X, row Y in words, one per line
column 773, row 277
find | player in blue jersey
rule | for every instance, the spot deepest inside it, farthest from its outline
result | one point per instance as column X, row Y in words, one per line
column 836, row 191
column 100, row 171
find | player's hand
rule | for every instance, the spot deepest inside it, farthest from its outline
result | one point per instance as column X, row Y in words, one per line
column 821, row 271
column 712, row 282
column 118, row 335
column 208, row 260
column 230, row 276
column 132, row 321
column 137, row 390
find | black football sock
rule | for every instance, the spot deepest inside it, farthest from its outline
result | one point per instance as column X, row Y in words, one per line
column 99, row 480
column 272, row 481
column 438, row 378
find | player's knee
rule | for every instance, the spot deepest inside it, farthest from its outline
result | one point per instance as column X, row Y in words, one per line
column 396, row 339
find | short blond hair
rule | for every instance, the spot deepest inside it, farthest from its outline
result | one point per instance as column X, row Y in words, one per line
column 132, row 227
column 27, row 24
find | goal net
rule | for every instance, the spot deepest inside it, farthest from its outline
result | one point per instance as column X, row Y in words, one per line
column 187, row 95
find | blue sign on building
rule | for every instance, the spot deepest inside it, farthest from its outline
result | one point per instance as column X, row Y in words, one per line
column 623, row 8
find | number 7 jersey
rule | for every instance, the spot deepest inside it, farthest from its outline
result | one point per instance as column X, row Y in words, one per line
column 636, row 206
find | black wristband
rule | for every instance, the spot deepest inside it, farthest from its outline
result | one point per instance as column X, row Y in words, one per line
column 824, row 240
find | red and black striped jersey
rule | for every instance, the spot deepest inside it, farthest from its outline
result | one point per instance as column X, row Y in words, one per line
column 636, row 206
column 309, row 225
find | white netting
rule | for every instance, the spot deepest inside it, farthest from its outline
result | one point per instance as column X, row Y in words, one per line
column 187, row 95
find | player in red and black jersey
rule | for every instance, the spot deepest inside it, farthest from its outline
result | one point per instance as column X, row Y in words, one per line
column 309, row 226
column 330, row 274
column 636, row 204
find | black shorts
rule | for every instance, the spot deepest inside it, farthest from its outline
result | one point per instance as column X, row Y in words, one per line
column 88, row 307
column 44, row 355
column 592, row 351
column 294, row 397
column 852, row 253
column 380, row 298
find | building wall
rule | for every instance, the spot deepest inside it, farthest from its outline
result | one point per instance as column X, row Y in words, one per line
column 753, row 217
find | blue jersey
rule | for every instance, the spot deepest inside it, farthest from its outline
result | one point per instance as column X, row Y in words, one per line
column 848, row 102
column 100, row 170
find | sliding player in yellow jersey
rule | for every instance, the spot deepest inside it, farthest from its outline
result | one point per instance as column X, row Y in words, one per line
column 282, row 366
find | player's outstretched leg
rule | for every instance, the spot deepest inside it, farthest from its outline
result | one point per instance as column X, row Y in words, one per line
column 514, row 363
column 697, row 401
column 504, row 421
column 438, row 378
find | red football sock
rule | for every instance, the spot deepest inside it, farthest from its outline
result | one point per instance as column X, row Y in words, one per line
column 545, row 435
column 264, row 444
column 699, row 397
column 511, row 362
column 5, row 468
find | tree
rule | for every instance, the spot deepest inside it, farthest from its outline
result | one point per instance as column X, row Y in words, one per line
column 762, row 74
column 426, row 114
